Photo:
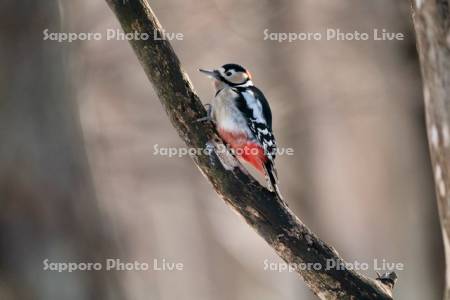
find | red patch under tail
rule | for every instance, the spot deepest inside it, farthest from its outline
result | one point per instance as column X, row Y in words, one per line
column 251, row 152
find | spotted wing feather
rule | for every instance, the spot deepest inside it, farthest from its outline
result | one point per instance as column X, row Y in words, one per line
column 254, row 106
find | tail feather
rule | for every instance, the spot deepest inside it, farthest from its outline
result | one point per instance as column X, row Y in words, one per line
column 272, row 178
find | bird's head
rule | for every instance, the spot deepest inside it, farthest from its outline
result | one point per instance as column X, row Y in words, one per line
column 229, row 75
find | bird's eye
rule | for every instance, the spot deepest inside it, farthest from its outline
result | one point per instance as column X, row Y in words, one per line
column 228, row 73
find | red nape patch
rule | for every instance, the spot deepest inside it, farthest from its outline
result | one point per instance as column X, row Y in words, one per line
column 251, row 152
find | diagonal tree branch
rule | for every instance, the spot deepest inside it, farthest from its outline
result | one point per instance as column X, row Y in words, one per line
column 261, row 209
column 432, row 25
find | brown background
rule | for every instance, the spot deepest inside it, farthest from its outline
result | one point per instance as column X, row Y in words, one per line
column 351, row 110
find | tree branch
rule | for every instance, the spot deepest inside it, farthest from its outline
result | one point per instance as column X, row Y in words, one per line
column 261, row 209
column 431, row 22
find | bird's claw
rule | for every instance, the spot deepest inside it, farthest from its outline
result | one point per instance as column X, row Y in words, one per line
column 208, row 117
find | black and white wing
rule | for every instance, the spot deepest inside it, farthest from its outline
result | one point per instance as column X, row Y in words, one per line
column 255, row 108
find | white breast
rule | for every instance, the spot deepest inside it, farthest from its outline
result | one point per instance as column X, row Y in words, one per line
column 226, row 114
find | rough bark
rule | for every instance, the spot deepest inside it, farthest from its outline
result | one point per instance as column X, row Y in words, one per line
column 431, row 22
column 261, row 209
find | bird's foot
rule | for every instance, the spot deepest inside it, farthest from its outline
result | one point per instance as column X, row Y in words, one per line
column 208, row 116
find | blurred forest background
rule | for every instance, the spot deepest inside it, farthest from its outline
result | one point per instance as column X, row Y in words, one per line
column 79, row 180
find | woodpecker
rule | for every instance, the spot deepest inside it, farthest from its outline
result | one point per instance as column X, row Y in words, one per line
column 243, row 119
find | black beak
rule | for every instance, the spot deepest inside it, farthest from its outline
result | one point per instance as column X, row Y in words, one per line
column 213, row 74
